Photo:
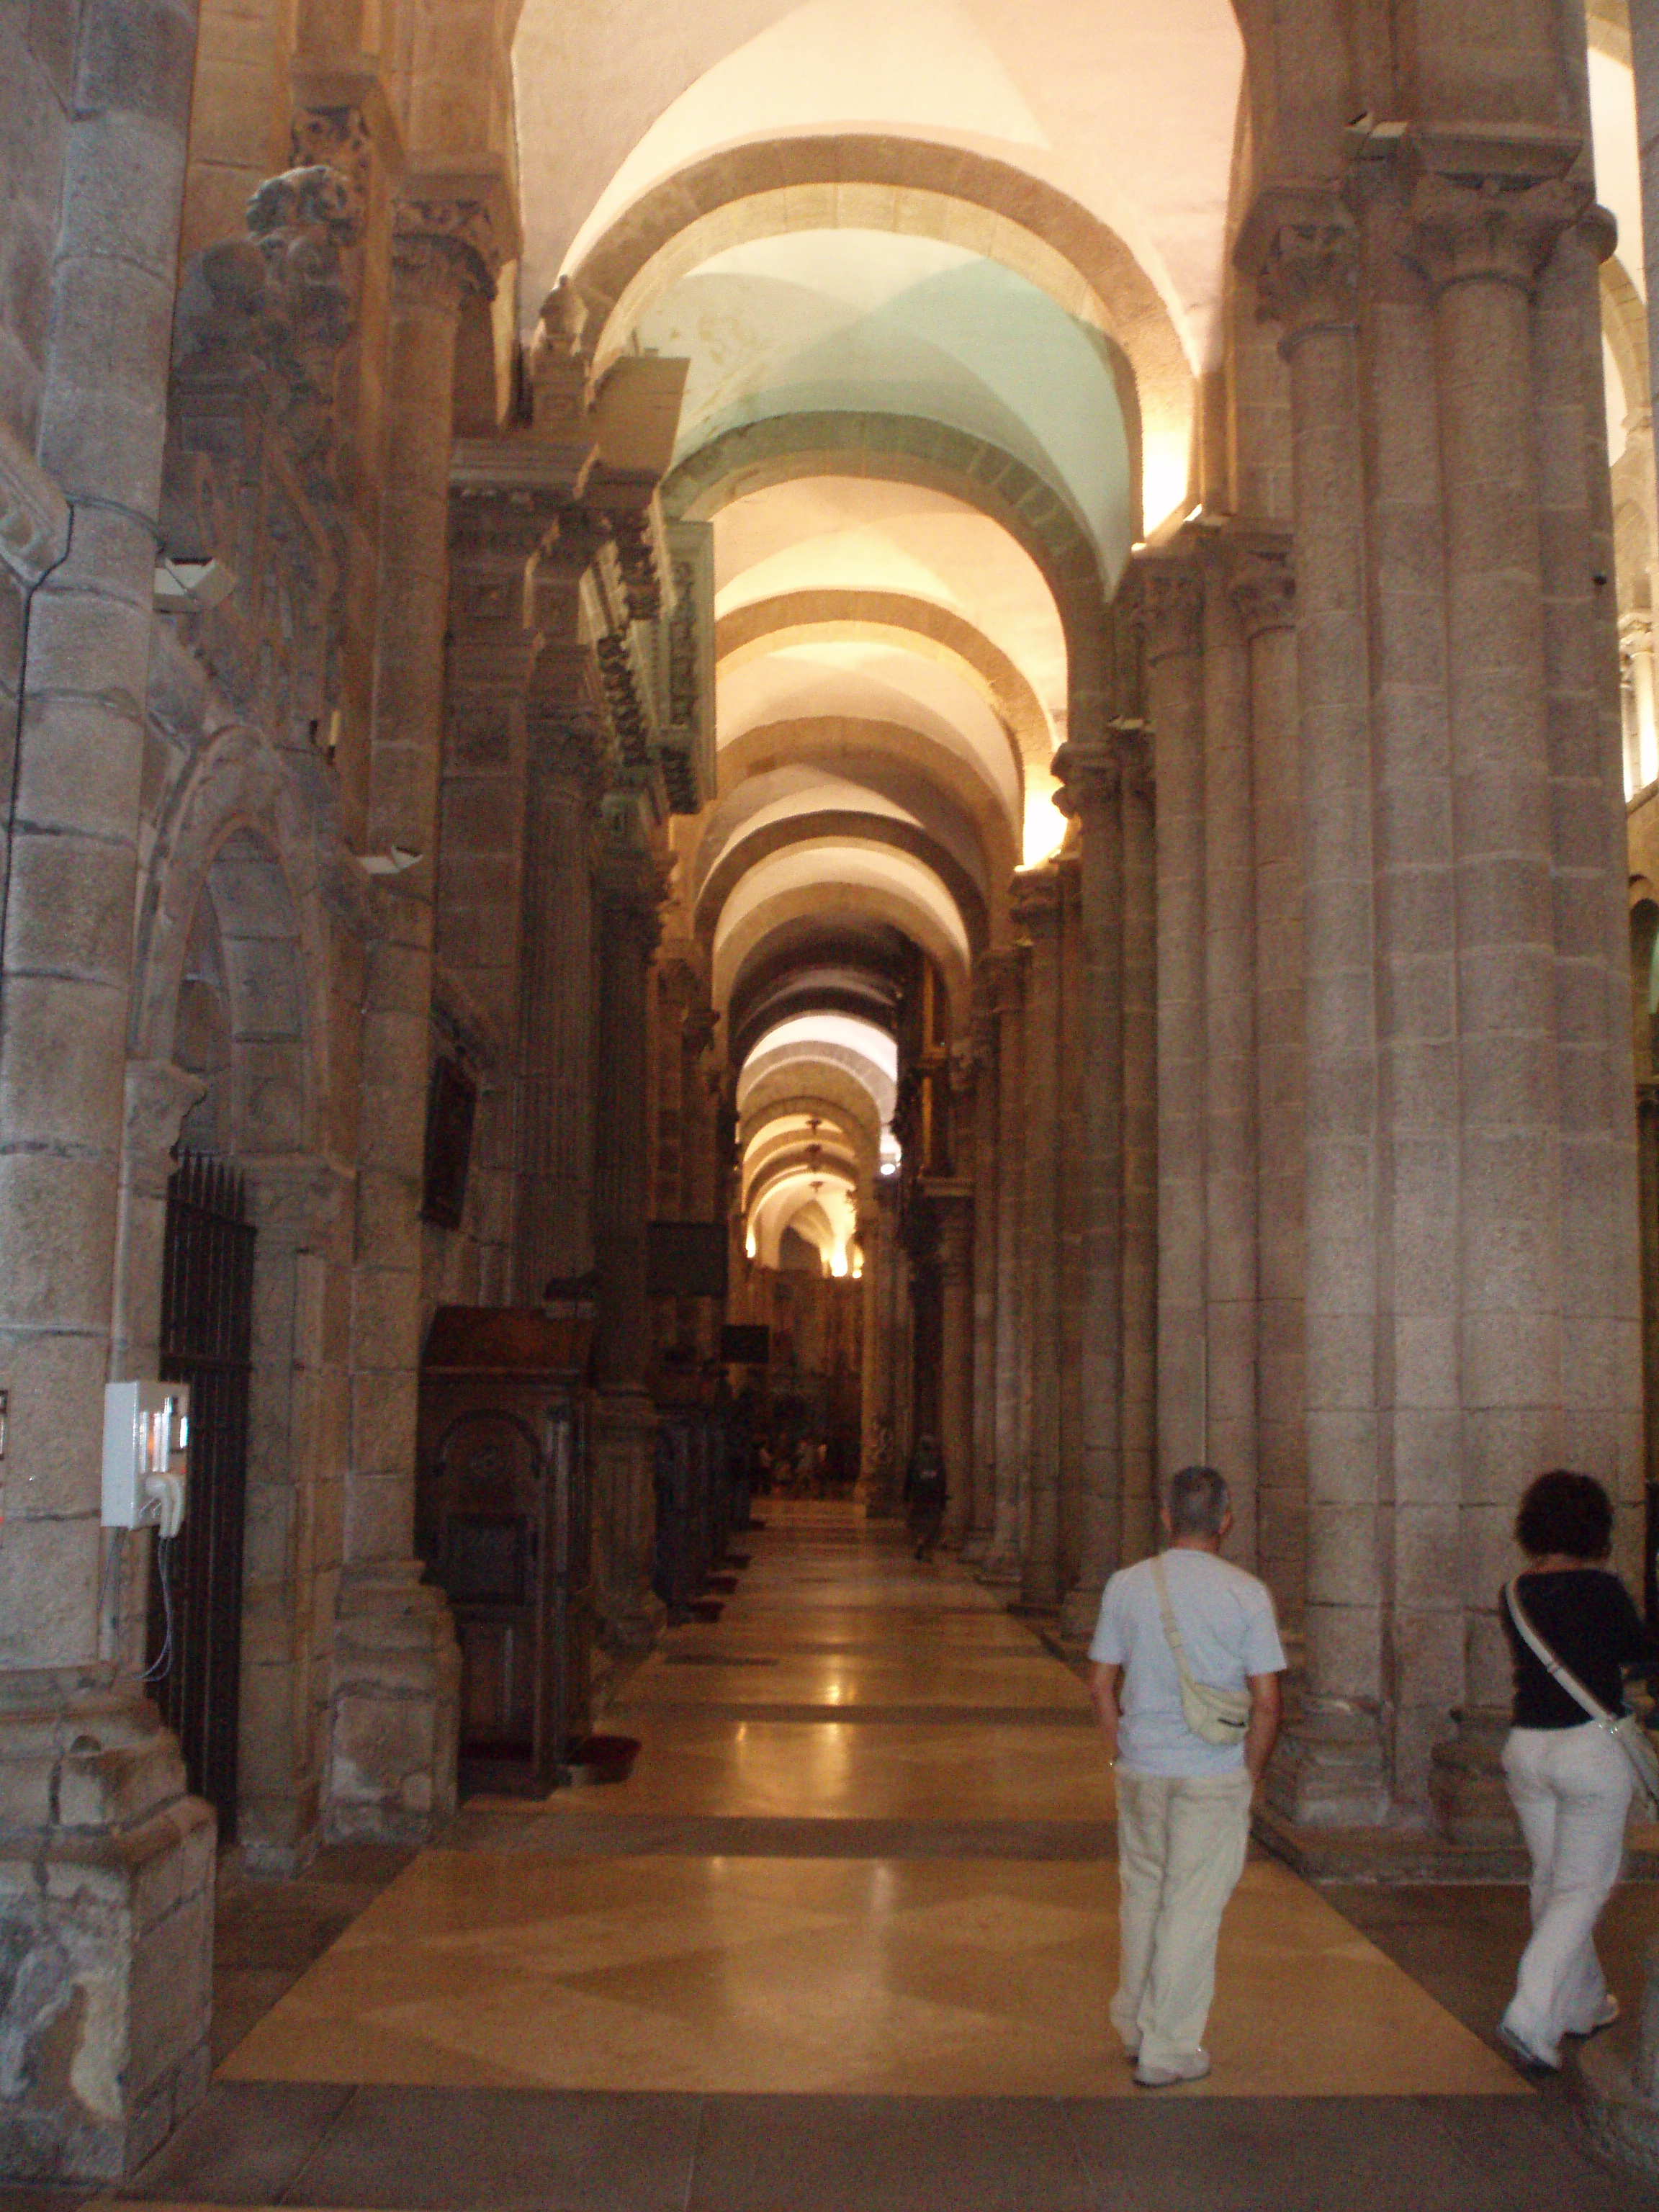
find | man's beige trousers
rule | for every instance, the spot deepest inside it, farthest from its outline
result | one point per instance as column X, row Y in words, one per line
column 1181, row 1844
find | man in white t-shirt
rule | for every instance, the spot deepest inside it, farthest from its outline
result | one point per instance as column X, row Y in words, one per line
column 1183, row 1803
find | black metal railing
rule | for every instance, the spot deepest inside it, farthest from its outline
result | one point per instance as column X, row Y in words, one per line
column 206, row 1340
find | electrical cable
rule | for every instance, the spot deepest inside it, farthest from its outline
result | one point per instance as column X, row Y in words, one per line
column 164, row 1576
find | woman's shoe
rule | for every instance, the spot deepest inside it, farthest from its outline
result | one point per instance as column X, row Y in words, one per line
column 1605, row 2017
column 1529, row 2056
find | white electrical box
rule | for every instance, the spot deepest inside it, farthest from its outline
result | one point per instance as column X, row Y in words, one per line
column 146, row 1439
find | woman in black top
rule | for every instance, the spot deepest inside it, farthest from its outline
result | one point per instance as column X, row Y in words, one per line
column 1570, row 1780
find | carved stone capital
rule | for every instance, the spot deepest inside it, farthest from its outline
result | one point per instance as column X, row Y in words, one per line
column 1299, row 246
column 304, row 1204
column 340, row 114
column 563, row 748
column 1091, row 773
column 451, row 230
column 628, row 891
column 1165, row 601
column 1487, row 228
column 1034, row 901
column 158, row 1098
column 1261, row 579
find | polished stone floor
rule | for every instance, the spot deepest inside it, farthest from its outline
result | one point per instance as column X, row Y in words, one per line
column 845, row 1940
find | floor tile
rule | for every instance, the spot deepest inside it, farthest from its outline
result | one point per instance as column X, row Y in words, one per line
column 245, row 2145
column 508, row 2151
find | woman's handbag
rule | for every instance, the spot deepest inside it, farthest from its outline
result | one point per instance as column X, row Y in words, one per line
column 1217, row 1715
column 1625, row 1730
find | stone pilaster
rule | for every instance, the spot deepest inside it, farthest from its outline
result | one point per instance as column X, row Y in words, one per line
column 1479, row 245
column 982, row 1510
column 1301, row 246
column 1036, row 913
column 1006, row 972
column 391, row 1763
column 628, row 891
column 1138, row 1427
column 1168, row 609
column 1260, row 582
column 954, row 1208
column 1091, row 775
column 1230, row 1257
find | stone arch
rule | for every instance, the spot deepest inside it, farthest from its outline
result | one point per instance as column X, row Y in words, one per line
column 920, row 189
column 237, row 855
column 1625, row 325
column 831, row 741
column 938, row 632
column 745, row 851
column 909, row 449
column 820, row 899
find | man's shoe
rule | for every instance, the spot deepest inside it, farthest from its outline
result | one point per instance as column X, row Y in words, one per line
column 1535, row 2060
column 1173, row 2070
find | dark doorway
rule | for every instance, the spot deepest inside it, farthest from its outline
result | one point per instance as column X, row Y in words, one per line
column 207, row 1320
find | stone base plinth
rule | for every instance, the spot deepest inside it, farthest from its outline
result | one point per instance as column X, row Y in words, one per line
column 628, row 1613
column 1329, row 1771
column 1079, row 1614
column 1000, row 1568
column 395, row 1710
column 1618, row 2123
column 1465, row 1784
column 106, row 1881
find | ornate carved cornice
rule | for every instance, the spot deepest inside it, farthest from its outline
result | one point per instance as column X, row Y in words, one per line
column 1165, row 600
column 1091, row 773
column 1299, row 246
column 1261, row 577
column 451, row 230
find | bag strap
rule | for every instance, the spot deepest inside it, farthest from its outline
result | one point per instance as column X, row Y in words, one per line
column 1562, row 1672
column 1172, row 1634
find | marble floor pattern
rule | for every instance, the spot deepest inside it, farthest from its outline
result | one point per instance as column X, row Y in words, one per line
column 844, row 1684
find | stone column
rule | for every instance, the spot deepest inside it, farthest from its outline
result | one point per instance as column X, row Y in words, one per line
column 629, row 891
column 553, row 1230
column 1641, row 733
column 983, row 1511
column 1037, row 912
column 954, row 1211
column 106, row 1864
column 1230, row 1258
column 1138, row 1425
column 503, row 502
column 1000, row 1565
column 1070, row 1171
column 1302, row 247
column 1481, row 251
column 392, row 1771
column 1169, row 609
column 1091, row 786
column 1261, row 583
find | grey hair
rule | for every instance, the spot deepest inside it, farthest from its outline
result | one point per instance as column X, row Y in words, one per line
column 1197, row 1502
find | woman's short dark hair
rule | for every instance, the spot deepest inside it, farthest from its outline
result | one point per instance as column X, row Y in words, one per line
column 1567, row 1513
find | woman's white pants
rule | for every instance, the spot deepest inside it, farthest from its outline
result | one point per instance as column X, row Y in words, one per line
column 1572, row 1789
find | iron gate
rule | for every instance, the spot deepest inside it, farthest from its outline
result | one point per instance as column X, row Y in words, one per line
column 207, row 1316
